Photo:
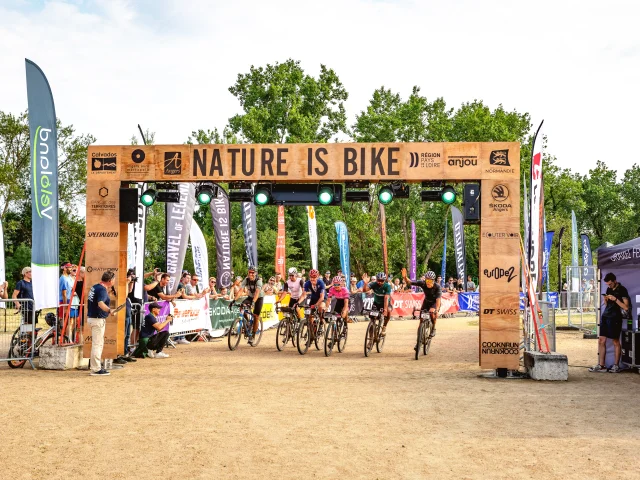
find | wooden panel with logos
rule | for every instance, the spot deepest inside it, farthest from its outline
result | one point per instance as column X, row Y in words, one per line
column 496, row 165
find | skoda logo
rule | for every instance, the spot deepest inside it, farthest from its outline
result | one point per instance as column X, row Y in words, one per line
column 500, row 193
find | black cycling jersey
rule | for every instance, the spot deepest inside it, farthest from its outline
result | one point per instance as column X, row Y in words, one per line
column 430, row 294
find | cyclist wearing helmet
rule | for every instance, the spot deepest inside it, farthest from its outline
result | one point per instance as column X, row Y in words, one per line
column 341, row 294
column 315, row 287
column 293, row 286
column 432, row 295
column 381, row 289
column 252, row 287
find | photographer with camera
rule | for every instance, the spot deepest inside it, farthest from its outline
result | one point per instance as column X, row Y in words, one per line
column 153, row 335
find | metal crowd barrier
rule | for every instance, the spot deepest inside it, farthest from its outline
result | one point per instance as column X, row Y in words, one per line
column 18, row 338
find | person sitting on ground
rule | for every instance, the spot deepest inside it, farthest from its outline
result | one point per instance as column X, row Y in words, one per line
column 616, row 299
column 152, row 334
column 341, row 294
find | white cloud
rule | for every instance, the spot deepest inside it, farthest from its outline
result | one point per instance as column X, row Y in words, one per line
column 168, row 64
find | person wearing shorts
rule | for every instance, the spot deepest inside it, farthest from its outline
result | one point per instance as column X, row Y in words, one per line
column 381, row 289
column 341, row 294
column 252, row 288
column 293, row 286
column 432, row 295
column 316, row 289
column 615, row 300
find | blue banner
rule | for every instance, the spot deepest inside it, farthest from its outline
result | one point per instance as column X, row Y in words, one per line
column 343, row 245
column 44, row 188
column 443, row 270
column 469, row 301
column 548, row 242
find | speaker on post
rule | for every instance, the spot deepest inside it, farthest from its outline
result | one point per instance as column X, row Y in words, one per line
column 471, row 203
column 128, row 205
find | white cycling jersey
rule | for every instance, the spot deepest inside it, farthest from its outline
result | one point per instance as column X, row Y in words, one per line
column 294, row 288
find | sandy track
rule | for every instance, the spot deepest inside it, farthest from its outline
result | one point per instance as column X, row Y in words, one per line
column 207, row 412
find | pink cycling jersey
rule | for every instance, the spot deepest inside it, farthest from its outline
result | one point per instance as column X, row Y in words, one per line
column 341, row 293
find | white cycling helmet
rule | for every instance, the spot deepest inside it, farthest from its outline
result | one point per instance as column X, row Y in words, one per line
column 293, row 271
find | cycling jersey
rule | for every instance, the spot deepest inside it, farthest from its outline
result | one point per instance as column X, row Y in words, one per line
column 430, row 294
column 340, row 293
column 315, row 291
column 252, row 286
column 294, row 288
column 379, row 291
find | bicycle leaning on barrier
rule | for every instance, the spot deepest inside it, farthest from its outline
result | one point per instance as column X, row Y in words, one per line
column 23, row 346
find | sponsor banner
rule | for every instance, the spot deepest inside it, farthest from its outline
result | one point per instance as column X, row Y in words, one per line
column 250, row 232
column 313, row 236
column 188, row 315
column 383, row 227
column 44, row 187
column 221, row 218
column 139, row 232
column 535, row 220
column 587, row 257
column 2, row 265
column 179, row 219
column 617, row 256
column 504, row 274
column 200, row 256
column 403, row 303
column 281, row 266
column 469, row 301
column 523, row 281
column 458, row 237
column 413, row 265
column 575, row 279
column 548, row 243
column 222, row 314
column 443, row 267
column 343, row 245
column 500, row 163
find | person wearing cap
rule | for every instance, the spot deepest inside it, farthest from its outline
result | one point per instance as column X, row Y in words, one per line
column 24, row 289
column 97, row 312
column 65, row 289
column 353, row 286
column 327, row 277
column 153, row 335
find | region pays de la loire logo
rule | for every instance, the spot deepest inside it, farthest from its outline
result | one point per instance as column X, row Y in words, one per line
column 500, row 195
column 424, row 159
column 172, row 163
column 103, row 162
column 500, row 273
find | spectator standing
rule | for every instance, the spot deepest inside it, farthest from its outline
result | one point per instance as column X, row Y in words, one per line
column 4, row 287
column 23, row 290
column 451, row 286
column 353, row 286
column 460, row 285
column 153, row 335
column 616, row 299
column 360, row 284
column 471, row 286
column 439, row 281
column 65, row 289
column 236, row 288
column 279, row 283
column 192, row 289
column 396, row 285
column 160, row 289
column 97, row 313
column 327, row 277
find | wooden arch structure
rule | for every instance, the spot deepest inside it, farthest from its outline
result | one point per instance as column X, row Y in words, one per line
column 495, row 165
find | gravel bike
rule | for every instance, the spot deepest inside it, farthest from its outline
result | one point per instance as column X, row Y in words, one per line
column 22, row 344
column 374, row 331
column 243, row 326
column 336, row 333
column 288, row 327
column 424, row 331
column 311, row 329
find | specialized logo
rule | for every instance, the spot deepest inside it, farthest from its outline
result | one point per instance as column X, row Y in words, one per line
column 103, row 162
column 499, row 235
column 103, row 192
column 500, row 193
column 501, row 311
column 500, row 273
column 172, row 163
column 138, row 156
column 500, row 157
column 425, row 160
column 462, row 161
column 102, row 234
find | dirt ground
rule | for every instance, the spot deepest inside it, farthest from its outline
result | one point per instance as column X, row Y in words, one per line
column 207, row 412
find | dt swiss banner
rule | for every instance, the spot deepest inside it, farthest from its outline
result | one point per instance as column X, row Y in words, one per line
column 343, row 245
column 44, row 188
column 281, row 267
column 179, row 218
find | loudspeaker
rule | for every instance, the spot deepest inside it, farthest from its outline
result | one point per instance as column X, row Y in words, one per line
column 471, row 203
column 128, row 205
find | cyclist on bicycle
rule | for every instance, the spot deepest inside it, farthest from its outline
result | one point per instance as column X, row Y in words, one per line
column 432, row 295
column 293, row 286
column 316, row 288
column 341, row 294
column 252, row 287
column 381, row 296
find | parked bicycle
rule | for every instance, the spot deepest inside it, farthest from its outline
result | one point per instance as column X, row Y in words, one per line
column 374, row 331
column 243, row 326
column 310, row 330
column 424, row 331
column 337, row 332
column 22, row 344
column 288, row 327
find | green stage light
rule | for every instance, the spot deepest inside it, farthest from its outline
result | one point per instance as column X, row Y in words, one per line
column 325, row 196
column 261, row 197
column 385, row 195
column 448, row 195
column 204, row 194
column 148, row 198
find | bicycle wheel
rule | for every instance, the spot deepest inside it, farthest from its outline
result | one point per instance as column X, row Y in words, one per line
column 282, row 335
column 369, row 337
column 419, row 341
column 20, row 347
column 330, row 339
column 381, row 339
column 319, row 336
column 426, row 342
column 258, row 335
column 343, row 333
column 303, row 337
column 235, row 333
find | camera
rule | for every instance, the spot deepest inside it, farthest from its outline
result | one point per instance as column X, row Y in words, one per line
column 134, row 278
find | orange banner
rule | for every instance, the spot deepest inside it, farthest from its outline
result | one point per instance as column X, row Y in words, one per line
column 281, row 267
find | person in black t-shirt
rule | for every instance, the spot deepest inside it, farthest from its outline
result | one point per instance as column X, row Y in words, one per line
column 24, row 289
column 97, row 312
column 432, row 295
column 615, row 300
column 152, row 334
column 161, row 289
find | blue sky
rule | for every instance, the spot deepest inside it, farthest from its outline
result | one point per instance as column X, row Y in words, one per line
column 168, row 64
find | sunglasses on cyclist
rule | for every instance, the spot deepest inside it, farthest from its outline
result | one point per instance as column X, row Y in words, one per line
column 336, row 285
column 380, row 281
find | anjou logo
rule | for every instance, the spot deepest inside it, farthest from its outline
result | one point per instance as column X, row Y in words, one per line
column 462, row 161
column 499, row 157
column 172, row 163
column 42, row 173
